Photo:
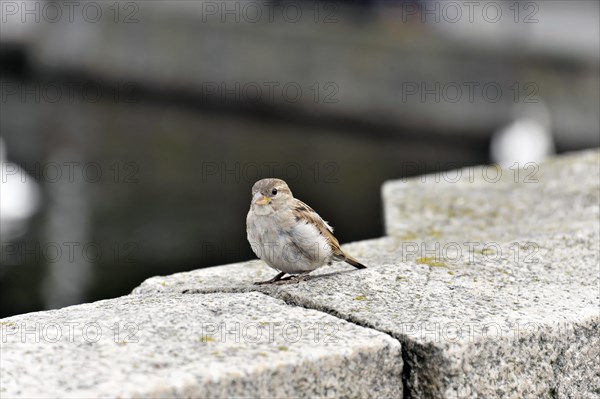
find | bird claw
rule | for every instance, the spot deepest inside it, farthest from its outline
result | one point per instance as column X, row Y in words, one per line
column 285, row 280
column 278, row 277
column 292, row 279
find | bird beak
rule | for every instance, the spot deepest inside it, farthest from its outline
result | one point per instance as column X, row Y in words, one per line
column 260, row 199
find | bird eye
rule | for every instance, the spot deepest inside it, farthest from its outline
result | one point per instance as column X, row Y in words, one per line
column 274, row 192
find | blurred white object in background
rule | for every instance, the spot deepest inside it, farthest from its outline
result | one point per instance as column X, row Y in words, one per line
column 528, row 138
column 19, row 198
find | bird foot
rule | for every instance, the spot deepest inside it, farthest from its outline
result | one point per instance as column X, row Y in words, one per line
column 274, row 280
column 281, row 281
column 292, row 279
column 285, row 280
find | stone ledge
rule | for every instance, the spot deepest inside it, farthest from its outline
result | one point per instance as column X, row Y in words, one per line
column 181, row 352
column 468, row 324
column 515, row 314
column 557, row 196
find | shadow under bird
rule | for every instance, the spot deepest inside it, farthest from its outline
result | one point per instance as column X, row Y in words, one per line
column 288, row 234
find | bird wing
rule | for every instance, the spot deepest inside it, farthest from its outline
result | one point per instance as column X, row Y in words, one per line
column 303, row 212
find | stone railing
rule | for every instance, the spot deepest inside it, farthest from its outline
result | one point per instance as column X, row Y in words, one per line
column 485, row 286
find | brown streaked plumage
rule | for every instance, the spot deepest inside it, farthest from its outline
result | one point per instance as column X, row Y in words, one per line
column 288, row 234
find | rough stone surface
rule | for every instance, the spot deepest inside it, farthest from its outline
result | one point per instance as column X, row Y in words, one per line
column 520, row 319
column 492, row 289
column 499, row 300
column 489, row 203
column 213, row 345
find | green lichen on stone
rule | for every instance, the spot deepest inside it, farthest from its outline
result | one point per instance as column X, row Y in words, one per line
column 436, row 234
column 360, row 298
column 409, row 237
column 283, row 348
column 205, row 339
column 430, row 261
column 458, row 212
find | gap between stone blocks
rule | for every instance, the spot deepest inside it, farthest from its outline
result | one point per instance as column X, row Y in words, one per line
column 288, row 299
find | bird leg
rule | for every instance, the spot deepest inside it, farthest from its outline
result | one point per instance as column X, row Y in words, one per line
column 293, row 279
column 271, row 281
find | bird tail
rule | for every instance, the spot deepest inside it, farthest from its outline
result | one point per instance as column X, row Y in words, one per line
column 354, row 262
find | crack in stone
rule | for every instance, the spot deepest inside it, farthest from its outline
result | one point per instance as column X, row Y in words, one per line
column 291, row 301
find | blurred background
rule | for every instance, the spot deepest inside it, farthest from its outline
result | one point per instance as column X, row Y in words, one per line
column 132, row 132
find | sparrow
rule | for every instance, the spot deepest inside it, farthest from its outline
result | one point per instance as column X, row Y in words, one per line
column 288, row 234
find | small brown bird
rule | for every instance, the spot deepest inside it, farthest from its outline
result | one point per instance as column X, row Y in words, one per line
column 288, row 234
